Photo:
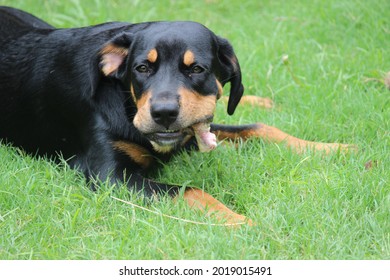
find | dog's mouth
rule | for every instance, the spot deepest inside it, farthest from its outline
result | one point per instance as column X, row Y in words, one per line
column 174, row 138
column 168, row 137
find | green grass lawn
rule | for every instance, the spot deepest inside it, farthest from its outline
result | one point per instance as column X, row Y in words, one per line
column 306, row 206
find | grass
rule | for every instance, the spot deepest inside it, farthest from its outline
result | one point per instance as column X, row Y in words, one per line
column 306, row 206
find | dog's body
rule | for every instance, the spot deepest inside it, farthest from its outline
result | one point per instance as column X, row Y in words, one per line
column 115, row 97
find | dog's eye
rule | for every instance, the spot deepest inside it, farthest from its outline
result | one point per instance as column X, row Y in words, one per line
column 142, row 68
column 197, row 69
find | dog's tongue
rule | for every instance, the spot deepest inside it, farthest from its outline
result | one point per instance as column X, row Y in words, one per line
column 207, row 141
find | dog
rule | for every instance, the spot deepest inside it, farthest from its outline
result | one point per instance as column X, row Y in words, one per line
column 116, row 99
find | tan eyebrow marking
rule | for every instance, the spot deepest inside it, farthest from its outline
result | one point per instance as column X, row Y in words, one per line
column 152, row 55
column 189, row 58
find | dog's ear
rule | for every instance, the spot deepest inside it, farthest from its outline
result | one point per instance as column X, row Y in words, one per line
column 230, row 72
column 114, row 54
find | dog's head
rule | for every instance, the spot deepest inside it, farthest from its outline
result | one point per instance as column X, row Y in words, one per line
column 175, row 72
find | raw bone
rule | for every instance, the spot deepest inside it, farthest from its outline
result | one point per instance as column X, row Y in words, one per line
column 207, row 140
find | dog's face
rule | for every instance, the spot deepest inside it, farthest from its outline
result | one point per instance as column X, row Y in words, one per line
column 175, row 72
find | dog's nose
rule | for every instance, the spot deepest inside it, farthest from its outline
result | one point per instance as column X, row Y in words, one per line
column 165, row 113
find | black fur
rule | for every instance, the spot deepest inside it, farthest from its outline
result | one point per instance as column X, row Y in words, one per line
column 56, row 98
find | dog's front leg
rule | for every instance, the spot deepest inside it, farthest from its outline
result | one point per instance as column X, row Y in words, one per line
column 275, row 135
column 195, row 198
column 123, row 163
column 203, row 201
column 252, row 100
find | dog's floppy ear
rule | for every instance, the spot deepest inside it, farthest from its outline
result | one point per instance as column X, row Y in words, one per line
column 230, row 72
column 113, row 55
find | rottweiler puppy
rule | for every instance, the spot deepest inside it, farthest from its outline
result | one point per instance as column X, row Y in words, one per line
column 115, row 98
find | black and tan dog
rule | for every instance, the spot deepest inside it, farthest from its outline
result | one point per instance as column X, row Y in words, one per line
column 113, row 98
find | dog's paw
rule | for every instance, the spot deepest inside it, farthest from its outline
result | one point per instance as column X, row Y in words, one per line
column 255, row 101
column 236, row 220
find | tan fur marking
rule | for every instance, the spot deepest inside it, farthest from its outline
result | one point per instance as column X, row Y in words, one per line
column 196, row 107
column 143, row 100
column 253, row 100
column 275, row 135
column 132, row 93
column 152, row 55
column 220, row 89
column 189, row 58
column 201, row 200
column 257, row 101
column 139, row 154
column 161, row 149
column 223, row 135
column 143, row 110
